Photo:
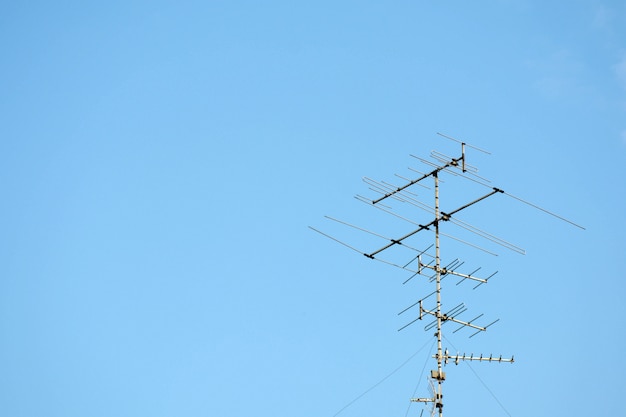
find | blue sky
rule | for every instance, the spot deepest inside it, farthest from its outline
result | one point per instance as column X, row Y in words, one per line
column 161, row 161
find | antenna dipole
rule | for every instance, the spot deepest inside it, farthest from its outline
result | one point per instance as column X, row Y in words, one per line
column 458, row 167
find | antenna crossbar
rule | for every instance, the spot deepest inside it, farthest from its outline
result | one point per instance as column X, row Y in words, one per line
column 481, row 358
column 444, row 217
column 454, row 162
column 448, row 271
column 445, row 317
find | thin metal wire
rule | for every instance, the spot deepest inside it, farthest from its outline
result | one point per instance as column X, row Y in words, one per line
column 378, row 188
column 408, row 324
column 469, row 275
column 481, row 381
column 379, row 192
column 420, row 172
column 357, row 227
column 389, row 263
column 420, row 379
column 337, row 240
column 486, row 279
column 425, row 161
column 387, row 189
column 464, row 143
column 409, row 180
column 521, row 200
column 488, row 236
column 468, row 244
column 416, row 203
column 369, row 203
column 411, row 277
column 545, row 211
column 469, row 322
column 411, row 306
column 476, row 175
column 381, row 188
column 382, row 380
column 423, row 252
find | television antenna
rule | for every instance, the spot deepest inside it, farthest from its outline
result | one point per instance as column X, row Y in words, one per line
column 433, row 268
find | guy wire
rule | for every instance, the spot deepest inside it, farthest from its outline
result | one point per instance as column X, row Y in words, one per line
column 382, row 380
column 481, row 381
column 419, row 380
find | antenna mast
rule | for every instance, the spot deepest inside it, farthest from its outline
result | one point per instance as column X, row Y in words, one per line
column 458, row 167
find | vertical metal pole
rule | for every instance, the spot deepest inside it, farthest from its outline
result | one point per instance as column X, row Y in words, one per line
column 438, row 394
column 463, row 155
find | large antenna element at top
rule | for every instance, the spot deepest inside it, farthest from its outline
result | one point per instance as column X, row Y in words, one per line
column 464, row 144
column 432, row 305
column 453, row 162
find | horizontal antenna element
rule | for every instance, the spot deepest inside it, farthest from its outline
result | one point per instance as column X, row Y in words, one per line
column 464, row 357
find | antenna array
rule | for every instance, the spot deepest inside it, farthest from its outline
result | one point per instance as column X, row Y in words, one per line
column 433, row 269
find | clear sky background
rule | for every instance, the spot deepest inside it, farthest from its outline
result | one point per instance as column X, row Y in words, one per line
column 160, row 163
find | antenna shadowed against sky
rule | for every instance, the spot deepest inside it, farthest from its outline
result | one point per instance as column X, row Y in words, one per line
column 435, row 270
column 161, row 161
